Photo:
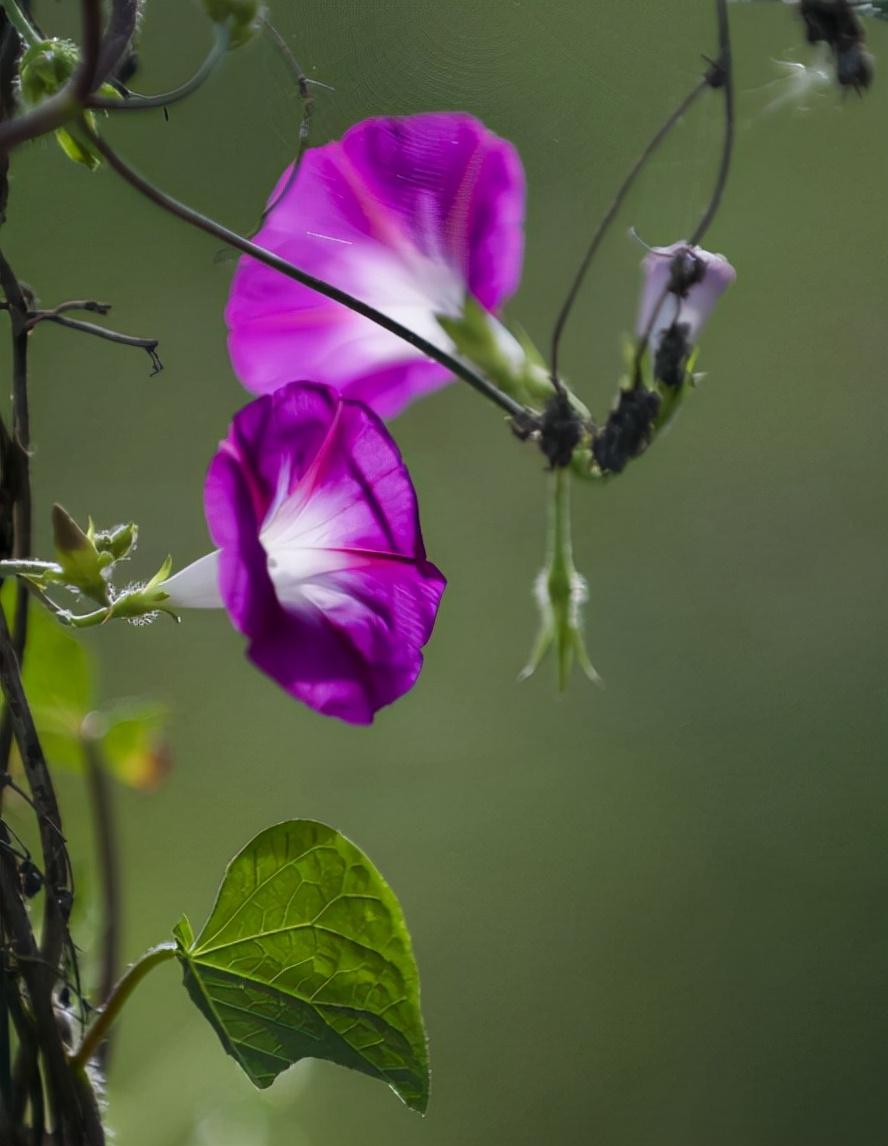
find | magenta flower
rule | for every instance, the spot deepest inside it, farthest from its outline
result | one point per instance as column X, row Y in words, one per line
column 409, row 215
column 320, row 561
column 685, row 282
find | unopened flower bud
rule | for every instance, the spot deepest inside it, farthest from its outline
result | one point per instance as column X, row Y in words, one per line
column 692, row 281
column 119, row 542
column 243, row 18
column 68, row 536
column 46, row 68
column 82, row 565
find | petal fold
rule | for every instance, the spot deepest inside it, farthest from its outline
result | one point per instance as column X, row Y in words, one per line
column 321, row 561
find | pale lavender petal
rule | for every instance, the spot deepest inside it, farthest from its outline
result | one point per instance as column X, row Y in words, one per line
column 699, row 300
column 406, row 214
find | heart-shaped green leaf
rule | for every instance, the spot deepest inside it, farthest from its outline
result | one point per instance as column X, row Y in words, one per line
column 306, row 955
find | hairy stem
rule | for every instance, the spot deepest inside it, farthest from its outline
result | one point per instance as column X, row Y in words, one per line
column 134, row 974
column 20, row 21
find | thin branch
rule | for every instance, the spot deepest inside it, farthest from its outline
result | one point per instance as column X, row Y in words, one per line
column 725, row 65
column 100, row 797
column 302, row 85
column 87, row 77
column 27, row 1083
column 55, row 859
column 611, row 213
column 21, row 508
column 238, row 242
column 40, row 979
column 86, row 304
column 136, row 102
column 722, row 76
column 7, row 989
column 149, row 345
column 118, row 35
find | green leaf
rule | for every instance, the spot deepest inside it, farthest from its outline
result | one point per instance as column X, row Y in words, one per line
column 306, row 955
column 132, row 741
column 58, row 680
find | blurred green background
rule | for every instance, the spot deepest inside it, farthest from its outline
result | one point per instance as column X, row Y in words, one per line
column 652, row 912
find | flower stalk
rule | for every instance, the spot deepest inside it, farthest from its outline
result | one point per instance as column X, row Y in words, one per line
column 560, row 592
column 132, row 977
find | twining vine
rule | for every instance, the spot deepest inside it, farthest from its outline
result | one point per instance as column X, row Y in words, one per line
column 306, row 951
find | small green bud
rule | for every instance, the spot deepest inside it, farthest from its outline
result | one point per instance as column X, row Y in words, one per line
column 82, row 565
column 243, row 18
column 46, row 67
column 118, row 542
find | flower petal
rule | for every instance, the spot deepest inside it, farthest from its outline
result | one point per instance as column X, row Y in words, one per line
column 354, row 645
column 406, row 214
column 698, row 301
column 197, row 585
column 321, row 561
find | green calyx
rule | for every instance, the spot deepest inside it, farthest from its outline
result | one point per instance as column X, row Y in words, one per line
column 242, row 17
column 479, row 338
column 85, row 564
column 560, row 592
column 82, row 566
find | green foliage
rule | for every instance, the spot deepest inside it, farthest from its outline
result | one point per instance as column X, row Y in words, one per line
column 46, row 67
column 59, row 678
column 82, row 565
column 306, row 955
column 131, row 737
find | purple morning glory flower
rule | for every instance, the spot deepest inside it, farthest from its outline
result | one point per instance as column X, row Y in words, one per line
column 320, row 560
column 409, row 215
column 685, row 282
